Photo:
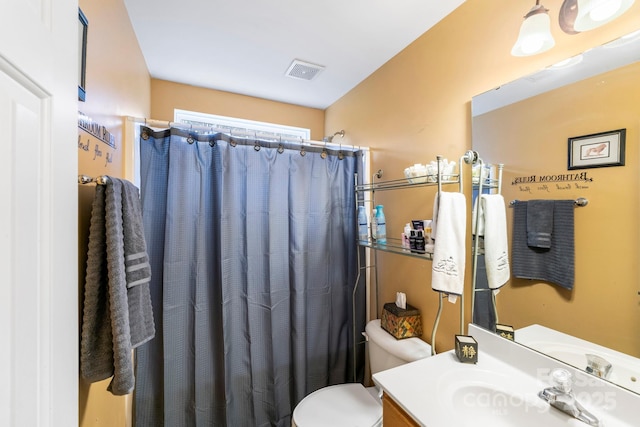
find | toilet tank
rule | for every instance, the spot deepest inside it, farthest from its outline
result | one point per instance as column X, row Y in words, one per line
column 386, row 352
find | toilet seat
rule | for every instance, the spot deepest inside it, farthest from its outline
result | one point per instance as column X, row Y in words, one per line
column 339, row 405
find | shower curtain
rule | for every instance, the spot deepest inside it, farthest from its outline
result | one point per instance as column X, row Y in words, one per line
column 253, row 254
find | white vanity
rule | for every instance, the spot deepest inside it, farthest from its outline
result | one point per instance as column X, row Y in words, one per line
column 500, row 390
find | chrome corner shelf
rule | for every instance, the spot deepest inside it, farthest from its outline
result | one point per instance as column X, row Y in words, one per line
column 394, row 245
column 394, row 184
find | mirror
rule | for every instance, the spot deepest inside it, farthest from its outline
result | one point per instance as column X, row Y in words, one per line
column 528, row 125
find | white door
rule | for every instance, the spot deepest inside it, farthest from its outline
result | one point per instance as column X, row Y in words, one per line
column 38, row 213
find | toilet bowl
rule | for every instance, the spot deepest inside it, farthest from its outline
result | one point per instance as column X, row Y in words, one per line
column 352, row 404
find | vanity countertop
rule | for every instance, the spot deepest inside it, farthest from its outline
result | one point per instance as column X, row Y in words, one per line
column 440, row 391
column 434, row 390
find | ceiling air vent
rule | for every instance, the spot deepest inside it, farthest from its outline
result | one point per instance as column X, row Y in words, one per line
column 303, row 70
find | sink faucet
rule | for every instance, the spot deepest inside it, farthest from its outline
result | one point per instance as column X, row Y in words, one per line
column 598, row 366
column 561, row 397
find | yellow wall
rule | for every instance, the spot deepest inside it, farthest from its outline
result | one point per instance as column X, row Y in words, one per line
column 417, row 105
column 166, row 96
column 530, row 137
column 117, row 84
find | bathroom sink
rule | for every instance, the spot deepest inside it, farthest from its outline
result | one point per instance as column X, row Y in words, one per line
column 491, row 393
column 485, row 397
column 625, row 370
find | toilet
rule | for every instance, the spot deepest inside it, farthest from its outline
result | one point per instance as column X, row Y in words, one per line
column 352, row 404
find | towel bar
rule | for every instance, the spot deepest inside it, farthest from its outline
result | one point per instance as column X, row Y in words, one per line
column 580, row 202
column 100, row 180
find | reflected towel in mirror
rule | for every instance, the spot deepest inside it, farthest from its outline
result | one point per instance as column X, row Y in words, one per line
column 556, row 264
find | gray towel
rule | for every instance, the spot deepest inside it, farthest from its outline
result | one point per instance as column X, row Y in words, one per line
column 483, row 310
column 117, row 314
column 556, row 264
column 539, row 223
column 96, row 348
column 137, row 267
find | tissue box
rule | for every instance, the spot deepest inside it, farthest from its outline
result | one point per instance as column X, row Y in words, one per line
column 401, row 323
column 466, row 349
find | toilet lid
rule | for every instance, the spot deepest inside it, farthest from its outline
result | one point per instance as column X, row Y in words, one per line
column 339, row 405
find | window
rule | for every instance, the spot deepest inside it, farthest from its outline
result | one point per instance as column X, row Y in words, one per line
column 242, row 127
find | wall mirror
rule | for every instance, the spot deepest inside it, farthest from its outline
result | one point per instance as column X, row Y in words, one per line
column 526, row 124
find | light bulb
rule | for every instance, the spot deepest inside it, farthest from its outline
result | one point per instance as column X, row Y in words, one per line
column 605, row 10
column 535, row 34
column 531, row 45
column 594, row 13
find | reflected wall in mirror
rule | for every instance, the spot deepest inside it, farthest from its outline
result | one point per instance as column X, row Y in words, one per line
column 530, row 136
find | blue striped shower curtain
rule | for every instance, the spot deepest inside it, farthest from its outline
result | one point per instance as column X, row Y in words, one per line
column 254, row 261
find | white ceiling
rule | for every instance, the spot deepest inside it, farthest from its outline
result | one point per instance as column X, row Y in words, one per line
column 246, row 46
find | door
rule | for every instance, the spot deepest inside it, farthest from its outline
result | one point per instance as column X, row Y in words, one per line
column 38, row 213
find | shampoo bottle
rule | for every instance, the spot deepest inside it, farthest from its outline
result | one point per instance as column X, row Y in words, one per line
column 363, row 227
column 381, row 226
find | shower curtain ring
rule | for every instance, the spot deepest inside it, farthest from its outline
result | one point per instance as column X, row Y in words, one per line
column 340, row 153
column 323, row 155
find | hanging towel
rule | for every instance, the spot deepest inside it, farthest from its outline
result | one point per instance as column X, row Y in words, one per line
column 117, row 314
column 492, row 225
column 137, row 267
column 539, row 223
column 555, row 264
column 449, row 229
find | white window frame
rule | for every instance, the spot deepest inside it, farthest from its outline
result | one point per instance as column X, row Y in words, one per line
column 233, row 124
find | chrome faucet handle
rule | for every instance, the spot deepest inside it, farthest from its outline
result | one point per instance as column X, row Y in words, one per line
column 562, row 380
column 562, row 398
column 598, row 366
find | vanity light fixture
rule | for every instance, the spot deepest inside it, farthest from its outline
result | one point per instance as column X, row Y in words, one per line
column 535, row 33
column 575, row 16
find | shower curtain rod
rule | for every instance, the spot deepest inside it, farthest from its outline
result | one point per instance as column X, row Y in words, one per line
column 245, row 133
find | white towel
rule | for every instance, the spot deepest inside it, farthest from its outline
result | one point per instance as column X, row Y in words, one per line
column 492, row 224
column 449, row 229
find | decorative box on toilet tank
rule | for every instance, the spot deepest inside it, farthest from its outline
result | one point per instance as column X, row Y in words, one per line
column 401, row 323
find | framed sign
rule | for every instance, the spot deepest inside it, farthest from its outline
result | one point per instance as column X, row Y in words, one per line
column 597, row 150
column 83, row 25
